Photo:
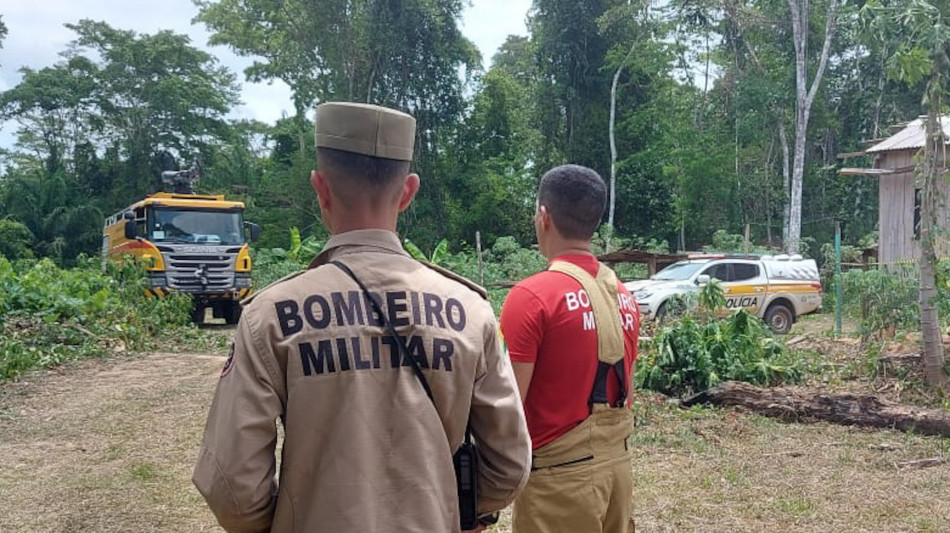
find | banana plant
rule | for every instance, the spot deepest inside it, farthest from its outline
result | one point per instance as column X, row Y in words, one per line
column 438, row 254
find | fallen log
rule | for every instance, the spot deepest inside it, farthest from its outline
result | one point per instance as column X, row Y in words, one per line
column 922, row 463
column 847, row 409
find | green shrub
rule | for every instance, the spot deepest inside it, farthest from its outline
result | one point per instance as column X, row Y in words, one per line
column 52, row 315
column 690, row 356
column 16, row 240
column 882, row 301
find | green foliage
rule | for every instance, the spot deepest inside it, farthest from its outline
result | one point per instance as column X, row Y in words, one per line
column 52, row 315
column 690, row 356
column 271, row 264
column 15, row 240
column 883, row 301
column 438, row 256
column 712, row 298
column 505, row 263
column 725, row 242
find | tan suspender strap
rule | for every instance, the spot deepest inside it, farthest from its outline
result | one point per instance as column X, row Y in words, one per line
column 602, row 293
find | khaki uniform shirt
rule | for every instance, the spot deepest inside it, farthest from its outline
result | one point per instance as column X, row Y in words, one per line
column 364, row 450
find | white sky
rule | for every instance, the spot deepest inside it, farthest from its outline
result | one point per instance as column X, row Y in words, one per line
column 36, row 36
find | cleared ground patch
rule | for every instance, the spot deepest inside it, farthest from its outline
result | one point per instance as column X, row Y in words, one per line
column 108, row 446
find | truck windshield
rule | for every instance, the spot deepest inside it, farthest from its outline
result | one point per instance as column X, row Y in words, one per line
column 681, row 271
column 195, row 226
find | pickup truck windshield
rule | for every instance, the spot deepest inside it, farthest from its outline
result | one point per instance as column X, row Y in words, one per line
column 681, row 271
column 196, row 227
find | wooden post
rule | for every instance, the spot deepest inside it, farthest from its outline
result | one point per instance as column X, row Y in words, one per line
column 838, row 296
column 478, row 247
column 747, row 238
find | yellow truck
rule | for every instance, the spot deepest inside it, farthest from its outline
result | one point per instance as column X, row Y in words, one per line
column 189, row 243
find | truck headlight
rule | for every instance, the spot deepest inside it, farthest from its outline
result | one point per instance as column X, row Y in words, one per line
column 642, row 294
column 157, row 279
column 242, row 282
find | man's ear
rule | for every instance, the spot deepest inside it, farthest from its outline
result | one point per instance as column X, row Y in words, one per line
column 409, row 190
column 319, row 183
column 544, row 217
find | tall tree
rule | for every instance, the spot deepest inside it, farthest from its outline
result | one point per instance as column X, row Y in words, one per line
column 925, row 55
column 358, row 50
column 157, row 93
column 574, row 88
column 804, row 98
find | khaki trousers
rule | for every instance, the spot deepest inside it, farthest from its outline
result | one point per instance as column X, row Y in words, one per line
column 583, row 481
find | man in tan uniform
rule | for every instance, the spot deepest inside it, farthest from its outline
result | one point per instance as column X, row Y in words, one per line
column 365, row 449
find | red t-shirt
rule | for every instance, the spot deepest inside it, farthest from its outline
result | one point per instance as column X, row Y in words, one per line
column 543, row 323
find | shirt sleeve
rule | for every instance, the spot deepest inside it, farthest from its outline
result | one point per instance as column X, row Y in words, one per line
column 522, row 324
column 236, row 463
column 498, row 424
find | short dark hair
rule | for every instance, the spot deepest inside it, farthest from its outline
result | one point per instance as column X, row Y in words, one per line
column 575, row 197
column 365, row 170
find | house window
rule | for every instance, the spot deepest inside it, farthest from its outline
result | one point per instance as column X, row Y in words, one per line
column 916, row 214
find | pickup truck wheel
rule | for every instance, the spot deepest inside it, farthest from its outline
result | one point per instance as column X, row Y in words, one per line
column 779, row 318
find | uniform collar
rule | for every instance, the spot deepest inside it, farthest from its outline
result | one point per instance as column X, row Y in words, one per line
column 374, row 238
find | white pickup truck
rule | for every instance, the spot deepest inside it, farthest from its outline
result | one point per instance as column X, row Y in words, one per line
column 779, row 289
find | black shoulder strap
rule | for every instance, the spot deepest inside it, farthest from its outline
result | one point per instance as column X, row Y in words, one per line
column 397, row 339
column 392, row 331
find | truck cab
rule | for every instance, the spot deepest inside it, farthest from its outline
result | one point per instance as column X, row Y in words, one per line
column 190, row 243
column 779, row 289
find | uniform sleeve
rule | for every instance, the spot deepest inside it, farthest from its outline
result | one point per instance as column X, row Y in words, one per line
column 236, row 463
column 499, row 427
column 522, row 323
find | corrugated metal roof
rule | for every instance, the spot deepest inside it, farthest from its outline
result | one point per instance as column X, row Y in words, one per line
column 912, row 136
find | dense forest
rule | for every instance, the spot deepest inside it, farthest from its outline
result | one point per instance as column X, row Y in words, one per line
column 709, row 114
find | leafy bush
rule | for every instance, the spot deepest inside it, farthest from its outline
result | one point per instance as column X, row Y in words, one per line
column 16, row 240
column 504, row 264
column 690, row 356
column 51, row 315
column 883, row 301
column 272, row 264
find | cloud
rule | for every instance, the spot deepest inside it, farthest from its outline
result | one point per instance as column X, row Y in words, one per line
column 489, row 22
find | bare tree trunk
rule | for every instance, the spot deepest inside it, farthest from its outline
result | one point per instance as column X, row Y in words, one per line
column 613, row 149
column 804, row 97
column 880, row 97
column 929, row 319
column 786, row 181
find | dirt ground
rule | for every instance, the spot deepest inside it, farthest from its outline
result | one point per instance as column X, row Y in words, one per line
column 108, row 446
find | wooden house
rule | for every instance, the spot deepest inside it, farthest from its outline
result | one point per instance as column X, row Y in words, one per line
column 895, row 161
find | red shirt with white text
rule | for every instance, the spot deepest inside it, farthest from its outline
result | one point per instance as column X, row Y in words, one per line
column 543, row 322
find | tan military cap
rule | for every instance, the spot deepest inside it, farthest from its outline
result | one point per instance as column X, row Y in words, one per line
column 365, row 129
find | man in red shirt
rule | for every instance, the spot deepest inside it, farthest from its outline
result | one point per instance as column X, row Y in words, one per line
column 571, row 333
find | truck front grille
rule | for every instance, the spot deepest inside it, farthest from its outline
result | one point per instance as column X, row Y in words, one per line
column 200, row 273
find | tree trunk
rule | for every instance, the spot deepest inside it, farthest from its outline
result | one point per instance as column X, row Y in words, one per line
column 847, row 409
column 929, row 320
column 878, row 103
column 786, row 182
column 613, row 149
column 804, row 97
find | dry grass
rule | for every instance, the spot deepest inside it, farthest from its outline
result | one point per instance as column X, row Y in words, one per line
column 108, row 446
column 712, row 470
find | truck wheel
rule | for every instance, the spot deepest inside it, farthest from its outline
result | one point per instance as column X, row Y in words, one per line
column 232, row 313
column 198, row 314
column 779, row 318
column 660, row 314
